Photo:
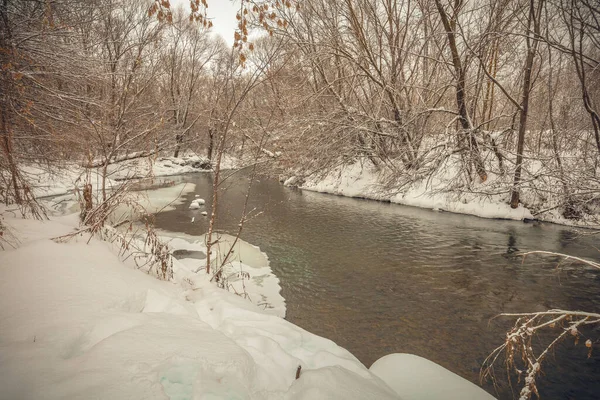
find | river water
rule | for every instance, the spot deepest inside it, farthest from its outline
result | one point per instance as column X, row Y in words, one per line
column 379, row 278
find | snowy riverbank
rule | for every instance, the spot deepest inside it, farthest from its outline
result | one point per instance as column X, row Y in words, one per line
column 361, row 179
column 80, row 323
column 63, row 180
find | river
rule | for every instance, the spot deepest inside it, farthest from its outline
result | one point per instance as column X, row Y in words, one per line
column 380, row 278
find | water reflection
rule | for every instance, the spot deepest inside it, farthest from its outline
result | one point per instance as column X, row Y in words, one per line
column 380, row 278
column 512, row 242
column 566, row 237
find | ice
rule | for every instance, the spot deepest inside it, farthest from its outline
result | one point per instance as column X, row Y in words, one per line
column 78, row 323
column 152, row 201
column 165, row 199
column 261, row 285
column 65, row 179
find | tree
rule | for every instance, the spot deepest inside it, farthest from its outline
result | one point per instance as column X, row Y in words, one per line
column 187, row 52
column 531, row 40
column 582, row 22
column 40, row 91
column 234, row 87
column 468, row 134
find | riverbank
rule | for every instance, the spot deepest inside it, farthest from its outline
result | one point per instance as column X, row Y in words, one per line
column 79, row 322
column 64, row 179
column 440, row 192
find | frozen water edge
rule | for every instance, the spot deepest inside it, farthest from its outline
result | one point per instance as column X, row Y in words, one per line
column 78, row 323
column 362, row 180
column 64, row 180
column 260, row 286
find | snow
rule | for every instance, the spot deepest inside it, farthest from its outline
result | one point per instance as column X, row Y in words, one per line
column 196, row 204
column 64, row 180
column 78, row 322
column 414, row 377
column 261, row 286
column 562, row 193
column 229, row 162
column 361, row 179
column 355, row 180
column 291, row 181
column 160, row 166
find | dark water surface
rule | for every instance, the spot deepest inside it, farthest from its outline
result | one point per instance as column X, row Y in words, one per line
column 379, row 278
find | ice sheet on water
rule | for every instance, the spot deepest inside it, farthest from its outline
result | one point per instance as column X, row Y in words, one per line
column 260, row 285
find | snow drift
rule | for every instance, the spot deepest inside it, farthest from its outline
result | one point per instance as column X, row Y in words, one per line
column 77, row 323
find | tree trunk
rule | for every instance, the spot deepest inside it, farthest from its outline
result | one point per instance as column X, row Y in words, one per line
column 215, row 199
column 211, row 143
column 533, row 19
column 577, row 55
column 7, row 147
column 179, row 141
column 459, row 70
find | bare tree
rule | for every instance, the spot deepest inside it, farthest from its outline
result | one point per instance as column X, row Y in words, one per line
column 236, row 85
column 187, row 53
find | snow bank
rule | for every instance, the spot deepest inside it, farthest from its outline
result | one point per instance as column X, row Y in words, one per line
column 355, row 180
column 414, row 377
column 363, row 180
column 64, row 180
column 78, row 324
column 161, row 166
column 230, row 162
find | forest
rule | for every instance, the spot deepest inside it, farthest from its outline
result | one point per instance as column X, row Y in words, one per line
column 503, row 93
column 489, row 108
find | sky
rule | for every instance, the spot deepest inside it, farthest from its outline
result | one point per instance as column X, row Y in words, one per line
column 221, row 13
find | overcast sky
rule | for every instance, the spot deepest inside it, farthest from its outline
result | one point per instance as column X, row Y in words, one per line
column 221, row 13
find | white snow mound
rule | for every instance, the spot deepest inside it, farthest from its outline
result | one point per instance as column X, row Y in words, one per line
column 77, row 323
column 196, row 204
column 416, row 378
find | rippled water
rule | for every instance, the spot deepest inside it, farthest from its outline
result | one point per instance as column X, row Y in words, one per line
column 379, row 278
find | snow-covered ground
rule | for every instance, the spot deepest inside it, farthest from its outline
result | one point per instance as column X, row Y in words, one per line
column 488, row 199
column 83, row 320
column 64, row 180
column 78, row 322
column 363, row 180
